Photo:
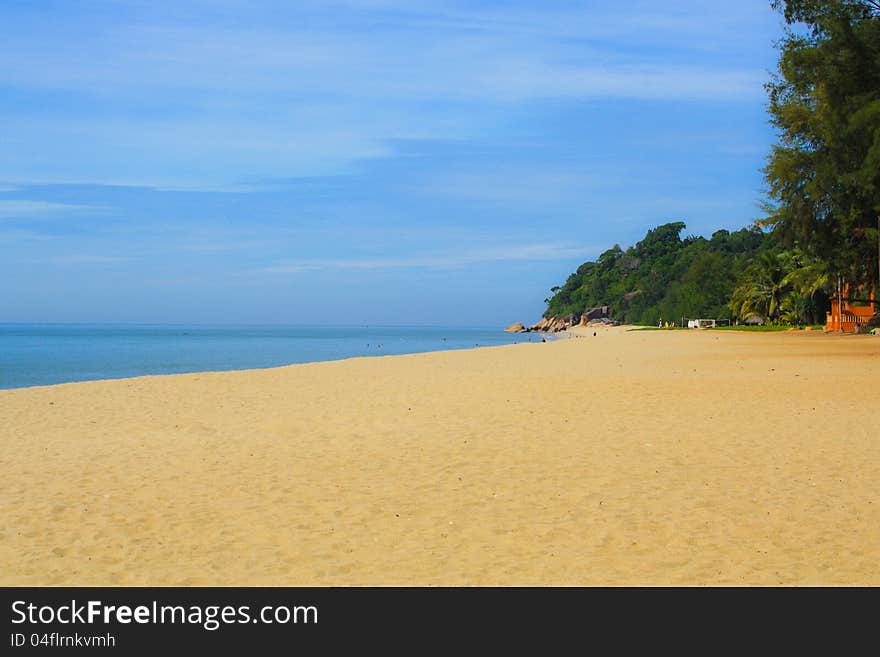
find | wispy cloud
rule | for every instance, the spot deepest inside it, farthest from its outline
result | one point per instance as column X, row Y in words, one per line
column 441, row 143
column 439, row 261
column 18, row 237
column 513, row 185
column 76, row 259
column 29, row 209
column 317, row 89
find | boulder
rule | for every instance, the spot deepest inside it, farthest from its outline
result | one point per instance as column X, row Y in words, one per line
column 590, row 317
column 515, row 328
column 555, row 324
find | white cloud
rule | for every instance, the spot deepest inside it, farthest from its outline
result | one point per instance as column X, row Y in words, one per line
column 645, row 80
column 21, row 236
column 76, row 259
column 439, row 261
column 314, row 92
column 28, row 209
column 513, row 185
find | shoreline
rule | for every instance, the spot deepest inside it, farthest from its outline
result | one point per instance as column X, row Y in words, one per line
column 44, row 356
column 572, row 332
column 246, row 370
column 553, row 337
column 635, row 458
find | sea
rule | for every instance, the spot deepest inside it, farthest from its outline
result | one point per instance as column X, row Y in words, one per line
column 46, row 354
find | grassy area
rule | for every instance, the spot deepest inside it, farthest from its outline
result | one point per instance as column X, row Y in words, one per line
column 767, row 328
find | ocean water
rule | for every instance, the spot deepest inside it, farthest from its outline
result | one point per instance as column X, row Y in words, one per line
column 45, row 354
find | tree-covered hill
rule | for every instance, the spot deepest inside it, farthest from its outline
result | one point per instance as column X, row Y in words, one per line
column 734, row 276
column 662, row 277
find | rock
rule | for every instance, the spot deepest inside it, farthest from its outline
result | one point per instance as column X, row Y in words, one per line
column 515, row 328
column 555, row 324
column 604, row 321
column 590, row 317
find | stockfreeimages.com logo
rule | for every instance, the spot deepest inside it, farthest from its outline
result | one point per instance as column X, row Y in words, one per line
column 210, row 617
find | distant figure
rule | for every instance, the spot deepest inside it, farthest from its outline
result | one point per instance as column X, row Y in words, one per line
column 594, row 334
column 543, row 339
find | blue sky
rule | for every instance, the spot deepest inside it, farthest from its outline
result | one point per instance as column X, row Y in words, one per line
column 362, row 161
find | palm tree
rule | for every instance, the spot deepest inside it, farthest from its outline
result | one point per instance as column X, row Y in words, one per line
column 811, row 280
column 810, row 275
column 763, row 286
column 795, row 308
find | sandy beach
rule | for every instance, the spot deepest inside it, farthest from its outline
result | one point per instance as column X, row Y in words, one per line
column 628, row 458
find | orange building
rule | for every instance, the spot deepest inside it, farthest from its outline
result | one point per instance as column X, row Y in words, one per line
column 846, row 318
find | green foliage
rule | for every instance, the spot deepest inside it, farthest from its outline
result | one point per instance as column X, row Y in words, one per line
column 762, row 287
column 732, row 275
column 824, row 175
column 661, row 277
column 766, row 328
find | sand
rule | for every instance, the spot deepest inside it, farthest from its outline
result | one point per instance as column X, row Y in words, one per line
column 629, row 458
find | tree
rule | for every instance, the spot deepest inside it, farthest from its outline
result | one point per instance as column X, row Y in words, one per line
column 812, row 283
column 762, row 287
column 824, row 174
column 661, row 276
